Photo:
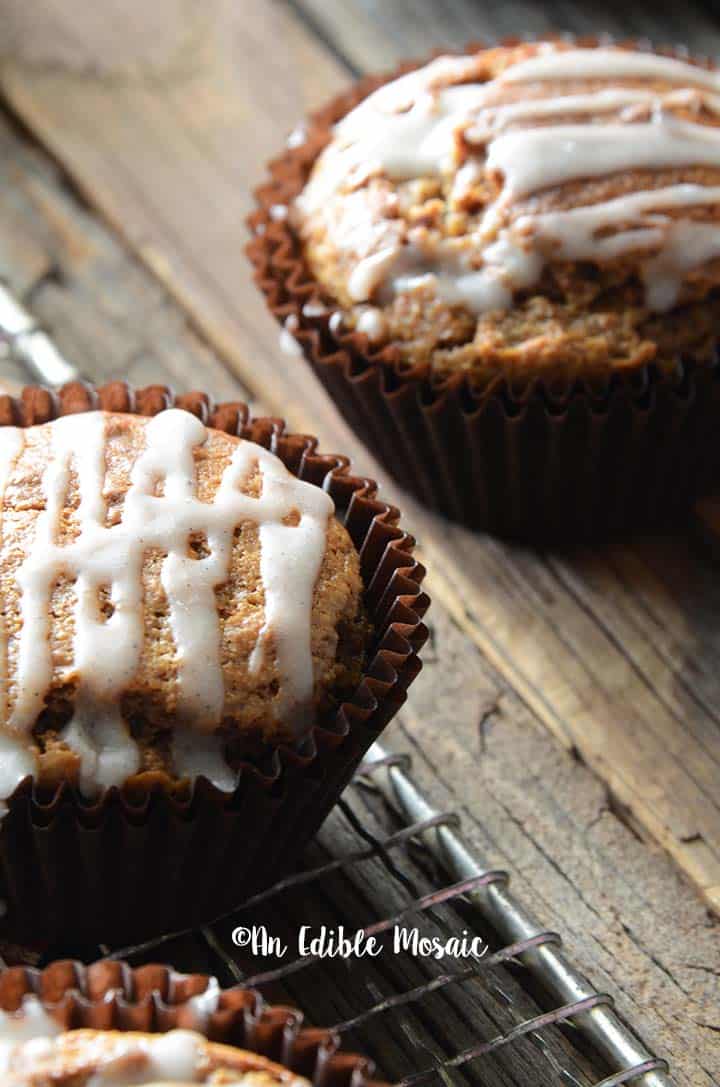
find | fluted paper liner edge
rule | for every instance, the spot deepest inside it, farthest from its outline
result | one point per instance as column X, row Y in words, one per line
column 139, row 861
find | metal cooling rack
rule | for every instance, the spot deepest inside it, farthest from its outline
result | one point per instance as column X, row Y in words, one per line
column 523, row 999
column 519, row 1014
column 29, row 349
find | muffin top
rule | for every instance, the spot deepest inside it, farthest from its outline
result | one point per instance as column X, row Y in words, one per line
column 96, row 1058
column 536, row 208
column 171, row 594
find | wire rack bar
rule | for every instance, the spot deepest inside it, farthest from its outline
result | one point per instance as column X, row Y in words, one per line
column 309, row 875
column 559, row 1015
column 440, row 982
column 590, row 1011
column 429, row 901
column 30, row 345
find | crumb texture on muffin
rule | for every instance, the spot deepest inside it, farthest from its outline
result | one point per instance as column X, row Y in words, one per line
column 544, row 207
column 171, row 594
column 97, row 1058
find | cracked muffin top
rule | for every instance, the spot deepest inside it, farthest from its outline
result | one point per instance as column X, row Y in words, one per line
column 171, row 596
column 543, row 208
column 96, row 1058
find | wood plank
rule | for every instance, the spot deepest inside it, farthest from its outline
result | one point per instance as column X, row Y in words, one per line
column 10, row 382
column 632, row 922
column 180, row 205
column 659, row 760
column 106, row 313
column 369, row 40
column 553, row 821
column 206, row 129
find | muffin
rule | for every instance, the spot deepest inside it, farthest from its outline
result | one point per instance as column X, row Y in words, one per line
column 186, row 632
column 505, row 266
column 171, row 594
column 91, row 1058
column 76, row 1026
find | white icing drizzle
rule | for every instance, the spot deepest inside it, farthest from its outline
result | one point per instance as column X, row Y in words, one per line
column 314, row 309
column 534, row 159
column 610, row 100
column 297, row 137
column 175, row 1057
column 288, row 344
column 371, row 271
column 205, row 1004
column 421, row 140
column 107, row 649
column 516, row 258
column 31, row 1027
column 410, row 129
column 30, row 1043
column 681, row 244
column 10, row 448
column 16, row 758
column 372, row 322
column 607, row 64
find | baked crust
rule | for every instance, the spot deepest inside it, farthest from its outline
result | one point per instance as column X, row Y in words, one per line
column 580, row 317
column 149, row 702
column 73, row 1058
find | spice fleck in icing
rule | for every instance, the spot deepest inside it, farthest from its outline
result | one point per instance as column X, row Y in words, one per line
column 466, row 180
column 160, row 511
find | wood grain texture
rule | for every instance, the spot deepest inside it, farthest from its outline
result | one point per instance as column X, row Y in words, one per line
column 614, row 653
column 546, row 815
column 107, row 315
column 370, row 34
column 204, row 139
column 451, row 1019
column 169, row 163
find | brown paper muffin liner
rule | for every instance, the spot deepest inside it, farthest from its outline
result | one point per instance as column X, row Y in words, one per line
column 114, row 996
column 142, row 860
column 542, row 462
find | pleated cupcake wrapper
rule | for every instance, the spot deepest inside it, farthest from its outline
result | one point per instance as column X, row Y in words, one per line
column 543, row 461
column 141, row 860
column 154, row 998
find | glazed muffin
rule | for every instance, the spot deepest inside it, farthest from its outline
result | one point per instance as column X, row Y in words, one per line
column 525, row 210
column 71, row 1025
column 204, row 629
column 532, row 222
column 95, row 1058
column 172, row 595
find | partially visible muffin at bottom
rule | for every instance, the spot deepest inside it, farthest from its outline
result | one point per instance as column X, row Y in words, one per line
column 96, row 1058
column 173, row 596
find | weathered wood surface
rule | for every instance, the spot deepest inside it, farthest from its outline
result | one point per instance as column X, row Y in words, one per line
column 169, row 163
column 613, row 651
